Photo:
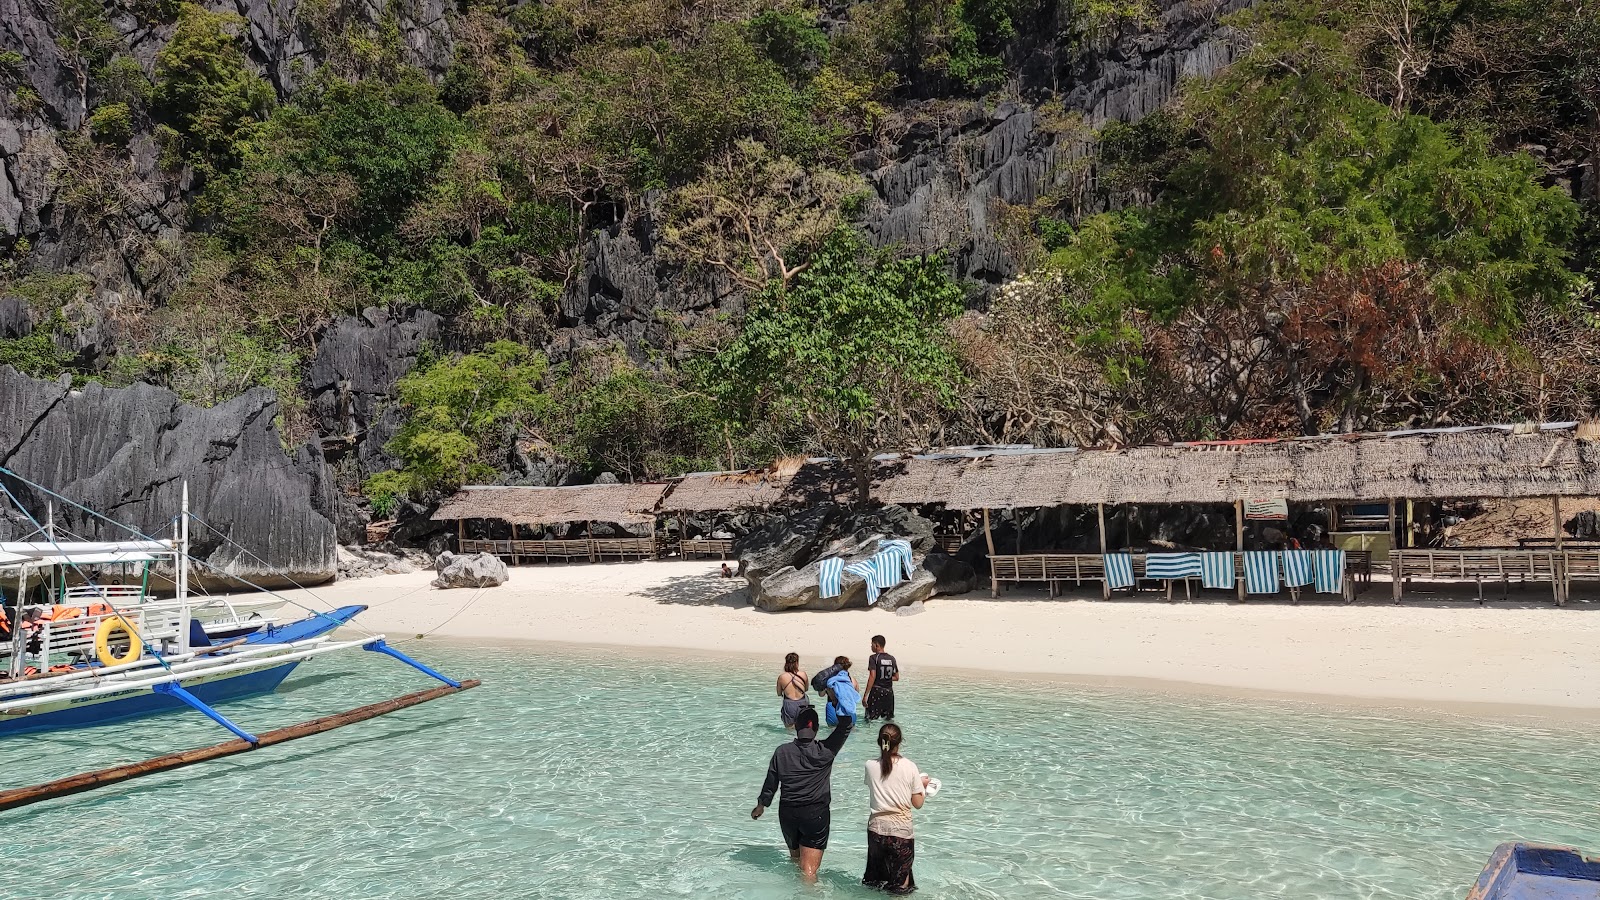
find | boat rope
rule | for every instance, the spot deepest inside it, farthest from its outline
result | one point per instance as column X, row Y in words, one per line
column 464, row 608
column 248, row 552
column 139, row 534
column 133, row 632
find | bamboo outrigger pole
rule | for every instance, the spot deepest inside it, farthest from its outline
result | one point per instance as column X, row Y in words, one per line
column 75, row 784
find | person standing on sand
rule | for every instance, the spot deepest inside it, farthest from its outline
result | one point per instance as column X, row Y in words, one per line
column 896, row 788
column 882, row 673
column 792, row 688
column 803, row 770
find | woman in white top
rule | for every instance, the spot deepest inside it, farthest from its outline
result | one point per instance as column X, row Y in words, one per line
column 897, row 788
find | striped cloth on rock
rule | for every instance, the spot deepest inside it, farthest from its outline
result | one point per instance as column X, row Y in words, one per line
column 1216, row 570
column 1299, row 568
column 1167, row 566
column 1330, row 571
column 1119, row 571
column 830, row 578
column 1261, row 571
column 902, row 549
column 867, row 571
column 886, row 563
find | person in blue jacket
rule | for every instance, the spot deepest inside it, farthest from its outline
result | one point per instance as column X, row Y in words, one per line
column 843, row 695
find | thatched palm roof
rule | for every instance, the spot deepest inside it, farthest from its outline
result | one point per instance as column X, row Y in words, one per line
column 1489, row 461
column 553, row 505
column 1351, row 468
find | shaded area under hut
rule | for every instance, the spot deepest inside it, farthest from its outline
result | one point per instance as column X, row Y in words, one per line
column 592, row 522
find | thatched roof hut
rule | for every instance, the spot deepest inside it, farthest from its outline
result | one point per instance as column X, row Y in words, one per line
column 621, row 503
column 1482, row 462
column 1462, row 463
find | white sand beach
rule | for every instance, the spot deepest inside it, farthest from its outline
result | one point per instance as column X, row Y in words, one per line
column 1521, row 653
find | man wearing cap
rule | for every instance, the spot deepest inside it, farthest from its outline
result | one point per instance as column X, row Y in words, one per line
column 803, row 769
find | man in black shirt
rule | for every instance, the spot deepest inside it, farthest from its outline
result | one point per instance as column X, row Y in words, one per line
column 882, row 673
column 803, row 768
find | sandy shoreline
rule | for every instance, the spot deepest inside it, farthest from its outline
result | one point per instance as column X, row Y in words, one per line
column 1508, row 656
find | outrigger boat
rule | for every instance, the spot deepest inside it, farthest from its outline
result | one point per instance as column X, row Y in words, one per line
column 101, row 653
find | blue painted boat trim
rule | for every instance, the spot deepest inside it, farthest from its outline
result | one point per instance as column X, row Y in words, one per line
column 379, row 646
column 145, row 702
column 174, row 689
column 307, row 628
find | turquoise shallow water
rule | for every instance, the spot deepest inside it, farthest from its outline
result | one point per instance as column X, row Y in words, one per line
column 596, row 774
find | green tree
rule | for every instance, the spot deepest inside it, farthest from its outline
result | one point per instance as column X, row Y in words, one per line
column 856, row 348
column 461, row 416
column 205, row 91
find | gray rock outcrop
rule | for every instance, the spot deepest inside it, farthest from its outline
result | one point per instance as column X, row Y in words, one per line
column 126, row 453
column 473, row 570
column 781, row 561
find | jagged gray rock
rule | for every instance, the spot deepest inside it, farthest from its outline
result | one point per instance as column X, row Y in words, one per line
column 365, row 562
column 127, row 452
column 781, row 561
column 352, row 380
column 474, row 570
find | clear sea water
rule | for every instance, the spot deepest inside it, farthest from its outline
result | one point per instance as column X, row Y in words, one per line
column 598, row 774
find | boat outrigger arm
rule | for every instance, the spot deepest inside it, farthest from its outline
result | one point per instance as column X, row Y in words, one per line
column 171, row 662
column 173, row 689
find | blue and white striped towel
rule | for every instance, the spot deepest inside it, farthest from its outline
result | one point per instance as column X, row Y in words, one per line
column 830, row 578
column 1216, row 570
column 903, row 549
column 1299, row 569
column 1172, row 565
column 1261, row 571
column 867, row 571
column 1330, row 571
column 1119, row 571
column 887, row 566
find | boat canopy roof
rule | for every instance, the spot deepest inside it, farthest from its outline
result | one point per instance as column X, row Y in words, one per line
column 81, row 553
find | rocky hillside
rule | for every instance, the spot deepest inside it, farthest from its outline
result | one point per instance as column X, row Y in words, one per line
column 383, row 248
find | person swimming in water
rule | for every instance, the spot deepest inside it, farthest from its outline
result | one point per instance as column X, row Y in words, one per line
column 803, row 770
column 792, row 688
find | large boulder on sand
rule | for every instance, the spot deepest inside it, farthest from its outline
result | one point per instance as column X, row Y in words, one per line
column 475, row 570
column 781, row 561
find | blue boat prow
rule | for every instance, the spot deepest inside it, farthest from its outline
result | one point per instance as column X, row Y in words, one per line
column 1537, row 872
column 307, row 628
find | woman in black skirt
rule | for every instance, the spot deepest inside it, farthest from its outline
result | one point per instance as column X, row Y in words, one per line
column 896, row 788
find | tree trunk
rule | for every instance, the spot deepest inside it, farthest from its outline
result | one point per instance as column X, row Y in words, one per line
column 862, row 467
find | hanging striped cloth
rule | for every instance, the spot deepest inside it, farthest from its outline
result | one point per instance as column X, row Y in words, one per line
column 1216, row 570
column 1172, row 565
column 1299, row 569
column 1330, row 571
column 1119, row 570
column 830, row 578
column 903, row 549
column 868, row 572
column 886, row 565
column 1261, row 571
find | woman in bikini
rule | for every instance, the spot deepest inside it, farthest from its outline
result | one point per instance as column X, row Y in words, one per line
column 792, row 688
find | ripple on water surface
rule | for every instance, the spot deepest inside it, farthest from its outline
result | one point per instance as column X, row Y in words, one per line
column 590, row 774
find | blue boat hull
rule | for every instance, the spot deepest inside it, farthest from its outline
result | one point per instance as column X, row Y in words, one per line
column 144, row 702
column 147, row 702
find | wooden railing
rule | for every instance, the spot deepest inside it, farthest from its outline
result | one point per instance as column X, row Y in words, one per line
column 1053, row 569
column 949, row 543
column 720, row 547
column 586, row 549
column 1555, row 566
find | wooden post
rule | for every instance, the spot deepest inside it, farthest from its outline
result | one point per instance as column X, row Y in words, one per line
column 988, row 539
column 1394, row 570
column 1558, row 561
column 1105, row 583
column 514, row 544
column 461, row 535
column 1333, row 520
column 1238, row 542
column 1411, row 524
column 589, row 530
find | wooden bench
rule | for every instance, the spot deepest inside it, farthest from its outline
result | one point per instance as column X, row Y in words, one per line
column 1055, row 568
column 624, row 548
column 719, row 547
column 1477, row 565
